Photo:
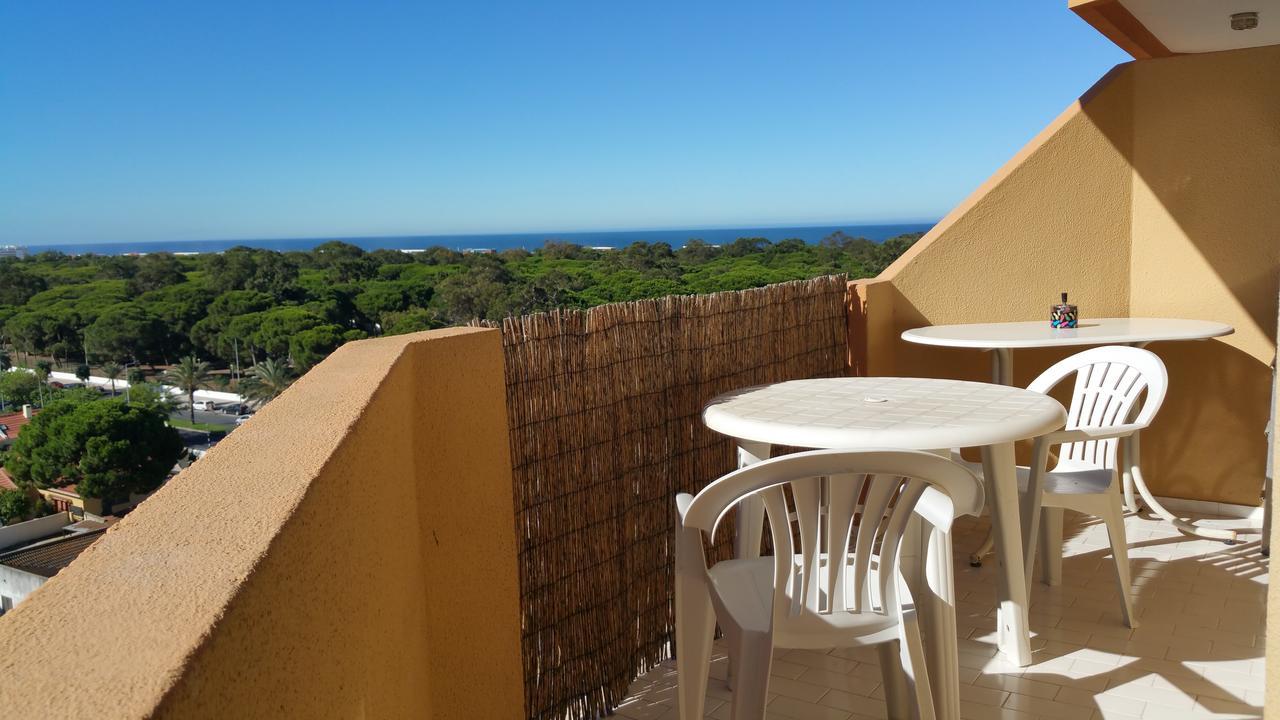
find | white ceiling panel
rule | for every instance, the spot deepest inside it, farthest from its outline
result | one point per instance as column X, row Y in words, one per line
column 1193, row 26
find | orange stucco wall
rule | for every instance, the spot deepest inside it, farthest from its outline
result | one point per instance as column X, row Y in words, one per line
column 349, row 553
column 1153, row 195
column 1206, row 244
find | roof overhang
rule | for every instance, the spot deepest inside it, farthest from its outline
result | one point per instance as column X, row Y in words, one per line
column 1161, row 28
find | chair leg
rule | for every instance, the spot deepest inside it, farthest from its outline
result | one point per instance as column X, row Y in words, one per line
column 895, row 681
column 695, row 632
column 914, row 673
column 1051, row 545
column 1120, row 553
column 752, row 658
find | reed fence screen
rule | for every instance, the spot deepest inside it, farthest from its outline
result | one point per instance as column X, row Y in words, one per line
column 605, row 418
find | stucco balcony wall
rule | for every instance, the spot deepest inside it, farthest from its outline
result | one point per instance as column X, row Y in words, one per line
column 349, row 553
column 1153, row 195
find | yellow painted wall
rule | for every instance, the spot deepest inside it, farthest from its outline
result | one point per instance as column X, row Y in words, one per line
column 350, row 552
column 1206, row 244
column 1157, row 194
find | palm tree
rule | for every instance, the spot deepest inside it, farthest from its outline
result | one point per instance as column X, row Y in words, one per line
column 43, row 368
column 111, row 371
column 189, row 375
column 265, row 380
column 153, row 397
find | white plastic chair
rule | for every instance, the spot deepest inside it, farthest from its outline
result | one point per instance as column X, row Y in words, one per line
column 1109, row 381
column 799, row 598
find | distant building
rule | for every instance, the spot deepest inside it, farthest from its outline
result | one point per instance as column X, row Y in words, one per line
column 65, row 498
column 31, row 552
column 13, row 251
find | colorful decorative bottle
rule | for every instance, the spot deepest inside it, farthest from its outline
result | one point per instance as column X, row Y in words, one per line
column 1063, row 315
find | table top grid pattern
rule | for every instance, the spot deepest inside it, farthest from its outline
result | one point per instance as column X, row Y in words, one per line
column 895, row 412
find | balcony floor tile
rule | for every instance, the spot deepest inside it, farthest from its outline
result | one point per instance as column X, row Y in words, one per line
column 1198, row 651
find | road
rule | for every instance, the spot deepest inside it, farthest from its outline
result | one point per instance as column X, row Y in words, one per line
column 217, row 417
column 199, row 439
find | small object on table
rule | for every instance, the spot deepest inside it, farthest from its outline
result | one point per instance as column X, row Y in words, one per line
column 1064, row 316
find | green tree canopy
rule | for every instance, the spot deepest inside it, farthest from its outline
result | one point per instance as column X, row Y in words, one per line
column 17, row 286
column 15, row 506
column 125, row 332
column 19, row 388
column 108, row 449
column 312, row 345
column 245, row 305
column 410, row 321
column 156, row 271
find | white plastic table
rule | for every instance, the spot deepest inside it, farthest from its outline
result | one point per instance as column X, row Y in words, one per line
column 910, row 414
column 1003, row 338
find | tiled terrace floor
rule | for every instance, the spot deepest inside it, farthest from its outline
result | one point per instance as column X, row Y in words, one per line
column 1197, row 653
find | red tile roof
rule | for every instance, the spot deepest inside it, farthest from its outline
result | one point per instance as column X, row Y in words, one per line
column 13, row 425
column 6, row 481
column 68, row 489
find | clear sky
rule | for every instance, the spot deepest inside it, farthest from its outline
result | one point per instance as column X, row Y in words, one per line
column 124, row 121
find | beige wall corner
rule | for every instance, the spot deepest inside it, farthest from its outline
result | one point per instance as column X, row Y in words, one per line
column 293, row 572
column 1206, row 244
column 466, row 513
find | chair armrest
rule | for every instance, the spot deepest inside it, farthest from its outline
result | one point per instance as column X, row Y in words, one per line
column 683, row 501
column 1086, row 434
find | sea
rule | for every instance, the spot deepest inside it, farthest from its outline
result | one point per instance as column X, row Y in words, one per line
column 501, row 241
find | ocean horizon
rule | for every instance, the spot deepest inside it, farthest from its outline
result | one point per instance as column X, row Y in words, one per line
column 497, row 241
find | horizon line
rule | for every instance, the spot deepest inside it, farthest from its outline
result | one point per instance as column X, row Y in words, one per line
column 335, row 236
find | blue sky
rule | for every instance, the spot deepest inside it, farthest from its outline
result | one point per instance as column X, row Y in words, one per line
column 124, row 121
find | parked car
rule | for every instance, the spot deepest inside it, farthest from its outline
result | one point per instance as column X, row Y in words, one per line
column 243, row 419
column 207, row 405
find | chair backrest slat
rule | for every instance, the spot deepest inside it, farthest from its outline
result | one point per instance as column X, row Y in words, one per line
column 1110, row 384
column 879, row 495
column 895, row 525
column 775, row 508
column 820, row 490
column 807, row 494
column 841, row 507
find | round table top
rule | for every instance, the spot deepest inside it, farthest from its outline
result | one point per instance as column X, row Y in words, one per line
column 866, row 412
column 1092, row 331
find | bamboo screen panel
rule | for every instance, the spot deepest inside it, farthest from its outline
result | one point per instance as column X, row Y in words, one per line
column 605, row 418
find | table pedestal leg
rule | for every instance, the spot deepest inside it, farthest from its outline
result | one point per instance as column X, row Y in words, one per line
column 1133, row 479
column 1133, row 474
column 1002, row 366
column 1001, row 374
column 1013, row 630
column 750, row 525
column 1130, row 500
column 746, row 542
